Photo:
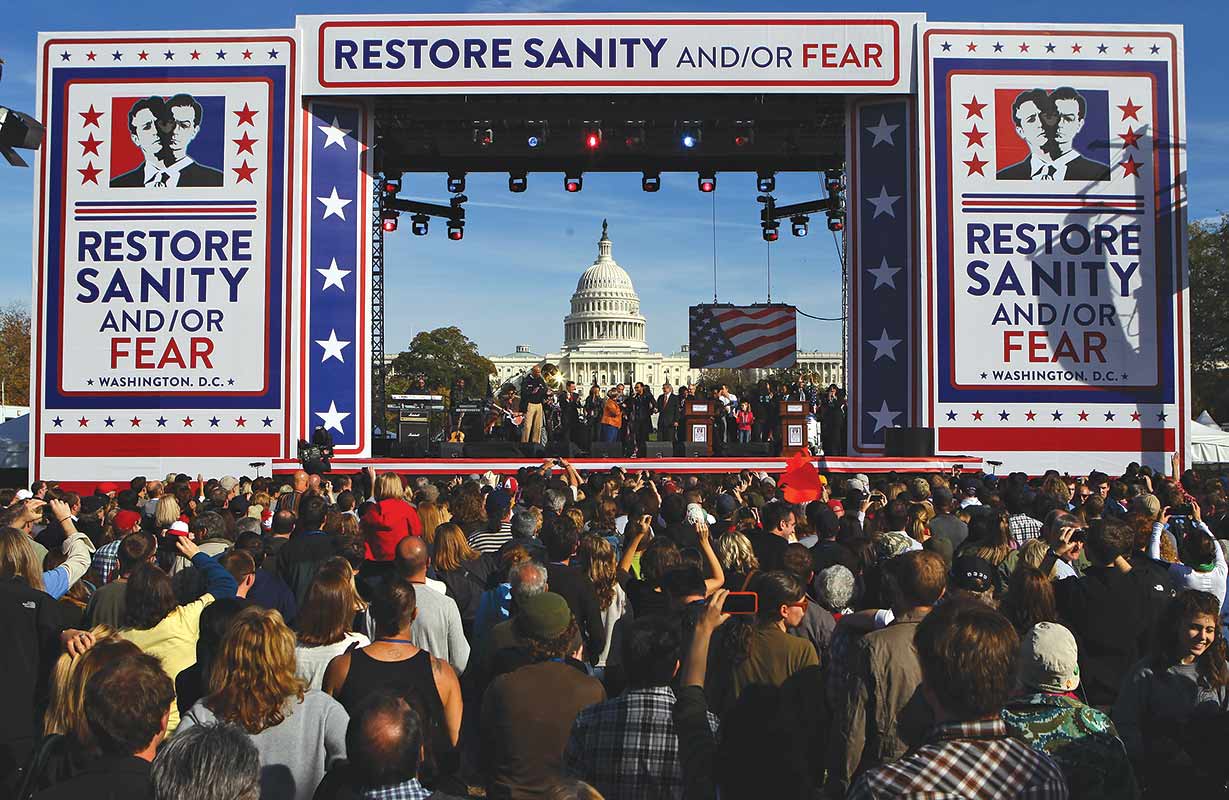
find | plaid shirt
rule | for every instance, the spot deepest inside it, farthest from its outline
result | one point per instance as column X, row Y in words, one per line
column 627, row 748
column 1023, row 527
column 974, row 760
column 106, row 561
column 410, row 790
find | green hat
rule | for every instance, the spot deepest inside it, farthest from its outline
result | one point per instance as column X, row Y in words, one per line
column 543, row 616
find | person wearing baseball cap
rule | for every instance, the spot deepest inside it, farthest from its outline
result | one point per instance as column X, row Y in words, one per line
column 1048, row 715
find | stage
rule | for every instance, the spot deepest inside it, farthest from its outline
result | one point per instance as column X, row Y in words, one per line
column 849, row 465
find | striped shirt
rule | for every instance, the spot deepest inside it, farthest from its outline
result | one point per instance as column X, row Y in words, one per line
column 490, row 541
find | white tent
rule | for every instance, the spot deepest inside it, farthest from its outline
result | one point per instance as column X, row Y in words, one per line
column 1209, row 444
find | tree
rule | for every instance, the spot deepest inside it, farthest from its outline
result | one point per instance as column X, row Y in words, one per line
column 1208, row 255
column 441, row 357
column 15, row 354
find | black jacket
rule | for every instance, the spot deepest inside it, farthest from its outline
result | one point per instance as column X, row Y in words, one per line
column 667, row 411
column 575, row 587
column 302, row 555
column 533, row 390
column 30, row 622
column 107, row 778
column 1109, row 614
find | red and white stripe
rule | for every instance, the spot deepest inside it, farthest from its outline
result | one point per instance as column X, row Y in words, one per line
column 762, row 337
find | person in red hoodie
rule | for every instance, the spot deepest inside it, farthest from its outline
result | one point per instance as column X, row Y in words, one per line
column 388, row 522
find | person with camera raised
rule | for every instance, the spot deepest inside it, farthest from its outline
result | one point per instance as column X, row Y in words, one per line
column 1202, row 566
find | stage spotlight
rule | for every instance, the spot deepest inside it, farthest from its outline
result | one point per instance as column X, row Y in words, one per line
column 517, row 181
column 771, row 231
column 456, row 230
column 799, row 224
column 651, row 181
column 392, row 183
column 418, row 224
column 593, row 138
column 836, row 222
column 690, row 137
column 533, row 141
column 706, row 183
column 388, row 221
column 573, row 183
column 834, row 181
column 765, row 182
column 456, row 182
column 537, row 135
column 484, row 136
column 744, row 135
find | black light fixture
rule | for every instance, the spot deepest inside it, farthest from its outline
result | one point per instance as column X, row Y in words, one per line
column 392, row 183
column 418, row 224
column 456, row 230
column 517, row 182
column 799, row 224
column 484, row 136
column 634, row 138
column 836, row 220
column 456, row 182
column 770, row 231
column 18, row 130
column 690, row 135
column 744, row 135
column 706, row 182
column 573, row 183
column 388, row 221
column 765, row 182
column 651, row 181
column 592, row 138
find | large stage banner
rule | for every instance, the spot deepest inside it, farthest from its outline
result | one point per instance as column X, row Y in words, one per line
column 608, row 53
column 1053, row 195
column 161, row 248
column 881, row 235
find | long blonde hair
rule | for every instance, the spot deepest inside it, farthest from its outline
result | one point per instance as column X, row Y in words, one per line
column 254, row 671
column 432, row 516
column 450, row 549
column 17, row 558
column 167, row 512
column 388, row 486
column 66, row 711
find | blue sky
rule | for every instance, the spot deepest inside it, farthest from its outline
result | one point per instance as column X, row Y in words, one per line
column 509, row 282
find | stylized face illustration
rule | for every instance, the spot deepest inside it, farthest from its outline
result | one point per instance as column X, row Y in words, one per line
column 145, row 133
column 1030, row 126
column 1067, row 123
column 181, row 130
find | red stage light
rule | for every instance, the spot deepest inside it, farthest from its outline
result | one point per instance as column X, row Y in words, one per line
column 742, row 141
column 390, row 224
column 573, row 184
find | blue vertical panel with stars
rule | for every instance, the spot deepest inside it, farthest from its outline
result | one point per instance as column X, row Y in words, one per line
column 337, row 229
column 881, row 268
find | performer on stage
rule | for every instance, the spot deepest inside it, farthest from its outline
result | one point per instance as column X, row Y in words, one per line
column 593, row 412
column 669, row 410
column 533, row 395
column 643, row 407
column 571, row 421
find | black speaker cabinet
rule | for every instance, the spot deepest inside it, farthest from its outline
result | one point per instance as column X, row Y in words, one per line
column 452, row 450
column 606, row 450
column 749, row 449
column 492, row 450
column 695, row 450
column 660, row 450
column 908, row 442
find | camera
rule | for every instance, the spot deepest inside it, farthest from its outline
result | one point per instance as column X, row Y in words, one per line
column 1181, row 510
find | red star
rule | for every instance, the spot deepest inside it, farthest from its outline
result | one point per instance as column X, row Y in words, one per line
column 245, row 143
column 1083, row 416
column 89, row 174
column 971, row 47
column 144, row 56
column 196, row 55
column 1129, row 49
column 973, row 108
column 1130, row 110
column 1130, row 138
column 975, row 165
column 136, row 422
column 1130, row 167
column 247, row 115
column 1135, row 416
column 83, row 422
column 1030, row 416
column 241, row 422
column 91, row 117
column 247, row 54
column 1075, row 48
column 975, row 137
column 90, row 55
column 187, row 421
column 977, row 415
column 1023, row 47
column 244, row 173
column 90, row 145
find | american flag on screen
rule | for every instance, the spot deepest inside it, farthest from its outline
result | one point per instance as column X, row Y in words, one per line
column 743, row 337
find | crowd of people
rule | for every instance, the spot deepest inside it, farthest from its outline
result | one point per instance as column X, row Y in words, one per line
column 632, row 415
column 619, row 634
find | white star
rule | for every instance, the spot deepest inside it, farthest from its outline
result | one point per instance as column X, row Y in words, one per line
column 332, row 418
column 333, row 347
column 883, row 203
column 884, row 417
column 334, row 134
column 333, row 276
column 884, row 346
column 884, row 275
column 334, row 206
column 882, row 132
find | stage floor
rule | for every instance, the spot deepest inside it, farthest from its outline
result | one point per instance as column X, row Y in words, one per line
column 464, row 466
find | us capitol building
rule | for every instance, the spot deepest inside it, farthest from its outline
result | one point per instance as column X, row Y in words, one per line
column 603, row 339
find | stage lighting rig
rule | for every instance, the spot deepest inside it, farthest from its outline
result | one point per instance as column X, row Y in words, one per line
column 517, row 182
column 690, row 135
column 456, row 182
column 388, row 221
column 419, row 223
column 765, row 182
column 421, row 214
column 483, row 135
column 651, row 181
column 573, row 183
column 799, row 224
column 706, row 183
column 18, row 131
column 744, row 135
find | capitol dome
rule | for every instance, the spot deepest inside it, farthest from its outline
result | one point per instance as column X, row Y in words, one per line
column 605, row 307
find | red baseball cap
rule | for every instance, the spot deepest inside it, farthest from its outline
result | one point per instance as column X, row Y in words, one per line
column 127, row 521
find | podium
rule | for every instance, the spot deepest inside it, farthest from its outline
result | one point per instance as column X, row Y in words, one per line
column 698, row 418
column 793, row 431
